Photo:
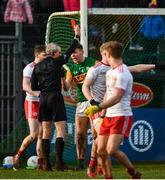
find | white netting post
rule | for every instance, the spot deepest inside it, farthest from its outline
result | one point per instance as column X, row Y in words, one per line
column 84, row 25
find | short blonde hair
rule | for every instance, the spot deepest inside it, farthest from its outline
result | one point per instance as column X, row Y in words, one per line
column 114, row 48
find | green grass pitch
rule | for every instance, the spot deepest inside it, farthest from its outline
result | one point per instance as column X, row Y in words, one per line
column 149, row 171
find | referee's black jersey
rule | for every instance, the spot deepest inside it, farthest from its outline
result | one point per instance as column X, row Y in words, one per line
column 46, row 76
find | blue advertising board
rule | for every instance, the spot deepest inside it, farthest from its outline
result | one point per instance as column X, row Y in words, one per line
column 146, row 141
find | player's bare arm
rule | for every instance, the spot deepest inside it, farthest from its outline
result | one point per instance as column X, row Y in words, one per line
column 141, row 68
column 103, row 111
column 68, row 81
column 118, row 94
column 86, row 88
column 77, row 30
column 27, row 87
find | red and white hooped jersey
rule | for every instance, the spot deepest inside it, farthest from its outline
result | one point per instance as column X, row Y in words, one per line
column 97, row 75
column 120, row 77
column 27, row 73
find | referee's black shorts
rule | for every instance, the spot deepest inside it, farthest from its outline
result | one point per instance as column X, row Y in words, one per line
column 52, row 107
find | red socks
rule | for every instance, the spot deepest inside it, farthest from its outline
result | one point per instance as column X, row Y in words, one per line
column 92, row 162
column 19, row 153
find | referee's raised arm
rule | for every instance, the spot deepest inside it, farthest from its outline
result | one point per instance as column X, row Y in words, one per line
column 75, row 42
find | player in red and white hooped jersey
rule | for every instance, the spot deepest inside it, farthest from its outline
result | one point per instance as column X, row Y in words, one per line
column 94, row 88
column 27, row 72
column 31, row 107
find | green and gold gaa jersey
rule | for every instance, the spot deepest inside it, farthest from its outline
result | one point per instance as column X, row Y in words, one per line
column 78, row 73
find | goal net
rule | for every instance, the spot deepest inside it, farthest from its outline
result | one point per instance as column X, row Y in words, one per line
column 143, row 42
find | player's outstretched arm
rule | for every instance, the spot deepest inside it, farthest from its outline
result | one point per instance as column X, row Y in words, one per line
column 146, row 67
column 141, row 68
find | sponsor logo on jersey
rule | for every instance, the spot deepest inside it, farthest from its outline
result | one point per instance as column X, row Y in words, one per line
column 70, row 96
column 79, row 79
column 141, row 95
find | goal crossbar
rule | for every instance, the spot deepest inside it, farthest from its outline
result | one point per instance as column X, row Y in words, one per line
column 127, row 11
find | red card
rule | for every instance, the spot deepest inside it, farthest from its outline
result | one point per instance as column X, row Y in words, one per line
column 73, row 23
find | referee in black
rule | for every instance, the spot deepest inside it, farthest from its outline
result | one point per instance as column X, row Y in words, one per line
column 46, row 78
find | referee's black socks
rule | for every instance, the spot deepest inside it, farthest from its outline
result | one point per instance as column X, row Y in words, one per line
column 46, row 152
column 59, row 151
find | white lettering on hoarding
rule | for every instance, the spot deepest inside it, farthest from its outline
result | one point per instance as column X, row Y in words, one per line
column 140, row 96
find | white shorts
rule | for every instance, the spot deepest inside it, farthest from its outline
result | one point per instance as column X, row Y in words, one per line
column 81, row 106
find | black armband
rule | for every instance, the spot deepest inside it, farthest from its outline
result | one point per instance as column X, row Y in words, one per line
column 93, row 102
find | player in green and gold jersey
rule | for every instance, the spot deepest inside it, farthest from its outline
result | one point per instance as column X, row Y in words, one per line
column 76, row 74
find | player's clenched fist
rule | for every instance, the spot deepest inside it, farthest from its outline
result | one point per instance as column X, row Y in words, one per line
column 91, row 110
